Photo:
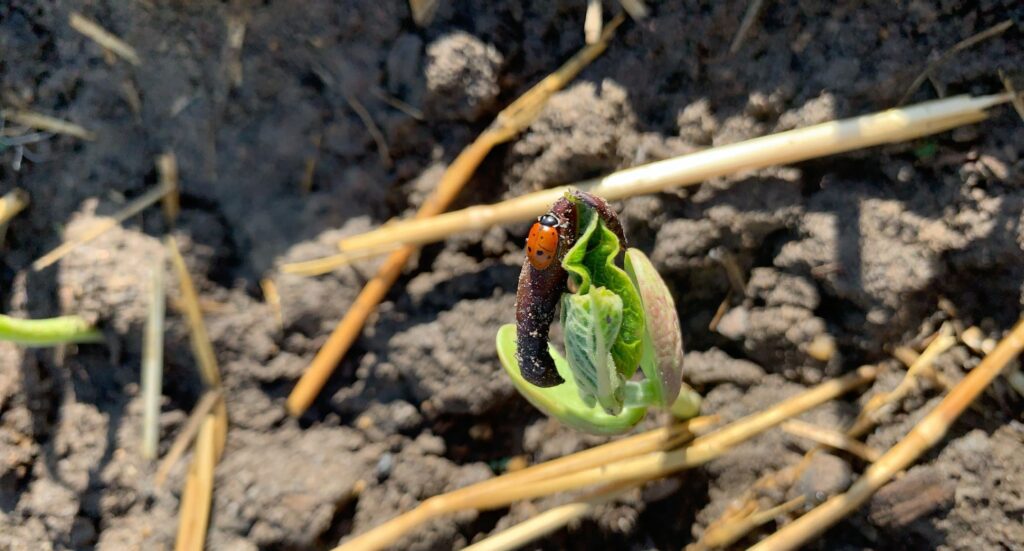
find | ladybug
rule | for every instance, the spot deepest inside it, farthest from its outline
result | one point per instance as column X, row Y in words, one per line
column 542, row 243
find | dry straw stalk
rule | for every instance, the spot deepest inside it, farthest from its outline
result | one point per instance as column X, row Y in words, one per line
column 197, row 497
column 40, row 121
column 104, row 38
column 891, row 126
column 736, row 521
column 136, row 206
column 651, row 465
column 186, row 435
column 927, row 433
column 194, row 512
column 153, row 363
column 12, row 203
column 831, row 438
column 551, row 520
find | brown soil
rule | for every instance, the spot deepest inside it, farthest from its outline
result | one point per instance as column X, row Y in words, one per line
column 860, row 246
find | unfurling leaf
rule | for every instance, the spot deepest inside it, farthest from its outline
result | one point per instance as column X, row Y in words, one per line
column 591, row 322
column 613, row 323
column 591, row 262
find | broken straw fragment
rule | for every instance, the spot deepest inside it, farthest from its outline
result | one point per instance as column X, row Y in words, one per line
column 104, row 38
column 830, row 138
column 47, row 123
column 152, row 363
column 131, row 209
column 928, row 432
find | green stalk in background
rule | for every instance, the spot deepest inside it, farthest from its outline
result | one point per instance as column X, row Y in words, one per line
column 48, row 332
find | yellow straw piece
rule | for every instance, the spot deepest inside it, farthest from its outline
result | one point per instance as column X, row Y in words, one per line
column 47, row 123
column 104, row 38
column 197, row 497
column 654, row 464
column 928, row 432
column 830, row 138
column 102, row 226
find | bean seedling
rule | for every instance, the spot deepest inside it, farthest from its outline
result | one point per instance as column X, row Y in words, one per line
column 616, row 321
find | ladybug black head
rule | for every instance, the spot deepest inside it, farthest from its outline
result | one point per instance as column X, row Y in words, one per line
column 549, row 220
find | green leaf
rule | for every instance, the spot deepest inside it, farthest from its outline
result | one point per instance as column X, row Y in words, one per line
column 574, row 258
column 591, row 322
column 663, row 343
column 591, row 262
column 926, row 150
column 563, row 402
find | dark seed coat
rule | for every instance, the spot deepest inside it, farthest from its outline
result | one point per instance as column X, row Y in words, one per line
column 540, row 291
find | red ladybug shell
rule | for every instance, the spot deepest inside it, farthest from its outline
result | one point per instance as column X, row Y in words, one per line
column 542, row 244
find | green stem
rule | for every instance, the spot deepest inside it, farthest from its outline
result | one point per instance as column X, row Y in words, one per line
column 640, row 394
column 47, row 332
column 687, row 405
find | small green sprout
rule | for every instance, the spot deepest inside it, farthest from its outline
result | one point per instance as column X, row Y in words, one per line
column 47, row 332
column 615, row 321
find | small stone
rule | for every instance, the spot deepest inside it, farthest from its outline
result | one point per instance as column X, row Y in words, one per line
column 734, row 323
column 825, row 476
column 431, row 444
column 384, row 465
column 364, row 422
column 822, row 347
